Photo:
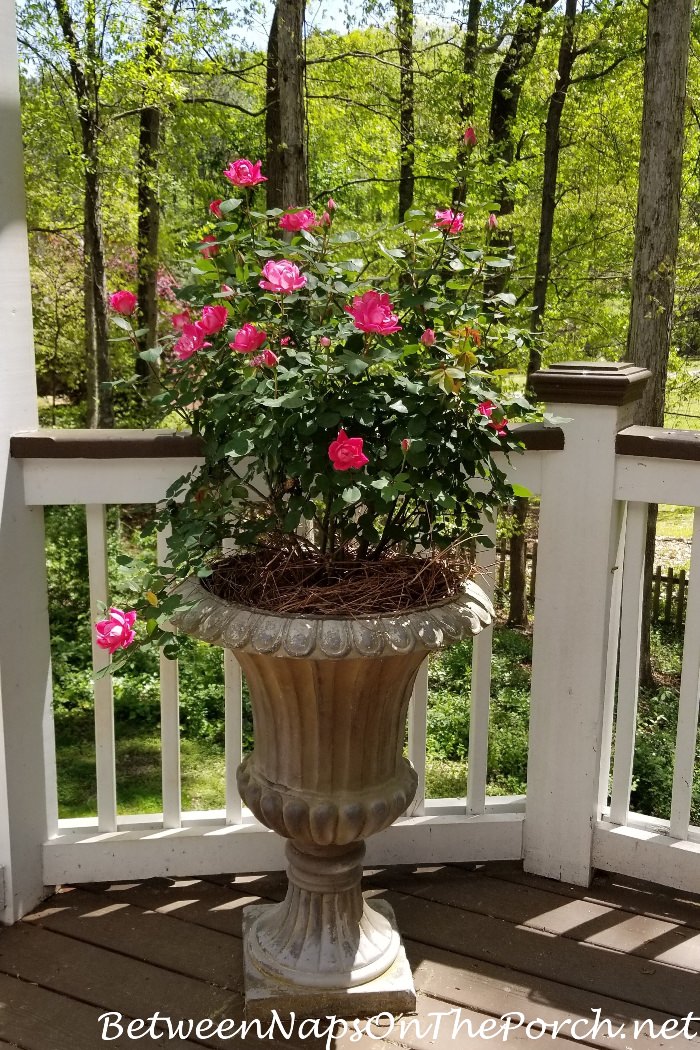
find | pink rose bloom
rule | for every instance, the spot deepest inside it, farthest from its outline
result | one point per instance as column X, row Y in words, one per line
column 485, row 408
column 500, row 428
column 325, row 341
column 428, row 337
column 244, row 173
column 448, row 220
column 115, row 632
column 406, row 444
column 180, row 320
column 331, row 205
column 346, row 453
column 191, row 340
column 248, row 339
column 493, row 222
column 267, row 357
column 213, row 319
column 283, row 277
column 123, row 302
column 373, row 312
column 215, row 208
column 294, row 221
column 470, row 136
column 325, row 219
column 285, row 340
column 227, row 289
column 209, row 246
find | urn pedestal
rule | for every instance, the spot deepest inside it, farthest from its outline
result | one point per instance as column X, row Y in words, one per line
column 329, row 700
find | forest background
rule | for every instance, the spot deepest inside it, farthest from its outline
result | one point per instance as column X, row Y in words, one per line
column 131, row 110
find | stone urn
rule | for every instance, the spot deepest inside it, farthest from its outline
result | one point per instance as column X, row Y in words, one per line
column 329, row 700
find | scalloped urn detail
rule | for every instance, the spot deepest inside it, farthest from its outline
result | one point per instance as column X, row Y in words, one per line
column 330, row 700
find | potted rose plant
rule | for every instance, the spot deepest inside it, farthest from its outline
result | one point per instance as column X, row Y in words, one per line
column 349, row 415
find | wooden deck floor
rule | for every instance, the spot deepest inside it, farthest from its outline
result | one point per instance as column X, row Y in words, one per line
column 483, row 940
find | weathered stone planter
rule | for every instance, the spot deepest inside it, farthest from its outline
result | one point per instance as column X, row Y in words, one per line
column 329, row 700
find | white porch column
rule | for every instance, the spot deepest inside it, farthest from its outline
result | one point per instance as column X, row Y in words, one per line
column 24, row 630
column 579, row 530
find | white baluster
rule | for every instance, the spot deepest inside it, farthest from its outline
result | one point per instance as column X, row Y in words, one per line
column 105, row 755
column 628, row 680
column 687, row 731
column 477, row 768
column 169, row 723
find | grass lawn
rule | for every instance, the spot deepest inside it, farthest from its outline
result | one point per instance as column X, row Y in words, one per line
column 675, row 523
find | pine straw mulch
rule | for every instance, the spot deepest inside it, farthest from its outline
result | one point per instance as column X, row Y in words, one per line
column 294, row 582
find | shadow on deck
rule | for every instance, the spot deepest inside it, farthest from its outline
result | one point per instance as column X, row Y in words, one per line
column 483, row 940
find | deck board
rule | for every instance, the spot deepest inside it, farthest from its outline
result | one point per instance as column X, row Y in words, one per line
column 481, row 939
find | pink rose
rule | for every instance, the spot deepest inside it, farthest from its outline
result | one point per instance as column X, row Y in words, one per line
column 470, row 136
column 209, row 246
column 294, row 221
column 227, row 290
column 405, row 444
column 213, row 319
column 493, row 222
column 501, row 427
column 267, row 357
column 123, row 303
column 331, row 205
column 373, row 312
column 325, row 219
column 285, row 340
column 215, row 208
column 180, row 320
column 248, row 339
column 325, row 341
column 244, row 173
column 283, row 277
column 428, row 337
column 448, row 220
column 346, row 453
column 485, row 408
column 191, row 340
column 115, row 632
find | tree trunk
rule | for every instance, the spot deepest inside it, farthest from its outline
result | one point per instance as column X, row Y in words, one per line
column 83, row 69
column 92, row 398
column 507, row 88
column 552, row 145
column 148, row 201
column 505, row 99
column 285, row 123
column 517, row 612
column 470, row 54
column 407, row 147
column 656, row 232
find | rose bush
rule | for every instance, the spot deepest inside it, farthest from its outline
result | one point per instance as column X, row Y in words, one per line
column 338, row 380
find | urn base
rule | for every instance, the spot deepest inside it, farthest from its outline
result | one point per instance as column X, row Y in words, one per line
column 391, row 992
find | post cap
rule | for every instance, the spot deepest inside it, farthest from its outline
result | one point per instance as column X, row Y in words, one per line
column 590, row 382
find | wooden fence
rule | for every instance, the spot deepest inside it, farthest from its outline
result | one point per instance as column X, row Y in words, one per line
column 669, row 585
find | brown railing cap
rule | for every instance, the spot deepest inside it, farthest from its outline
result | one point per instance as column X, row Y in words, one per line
column 658, row 443
column 105, row 444
column 590, row 382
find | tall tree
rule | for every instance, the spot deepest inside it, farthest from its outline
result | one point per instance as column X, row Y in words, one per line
column 83, row 62
column 407, row 146
column 656, row 231
column 507, row 89
column 285, row 123
column 148, row 199
column 467, row 94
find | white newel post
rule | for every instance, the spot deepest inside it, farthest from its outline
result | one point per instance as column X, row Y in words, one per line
column 577, row 548
column 24, row 629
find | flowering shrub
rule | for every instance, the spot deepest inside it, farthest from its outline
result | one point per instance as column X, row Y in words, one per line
column 338, row 380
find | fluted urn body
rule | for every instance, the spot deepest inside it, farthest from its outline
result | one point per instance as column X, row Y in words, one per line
column 329, row 700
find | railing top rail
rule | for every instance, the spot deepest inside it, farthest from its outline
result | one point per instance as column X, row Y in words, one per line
column 658, row 443
column 105, row 444
column 152, row 444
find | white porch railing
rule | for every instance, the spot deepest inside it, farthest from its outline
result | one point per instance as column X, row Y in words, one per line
column 594, row 478
column 94, row 470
